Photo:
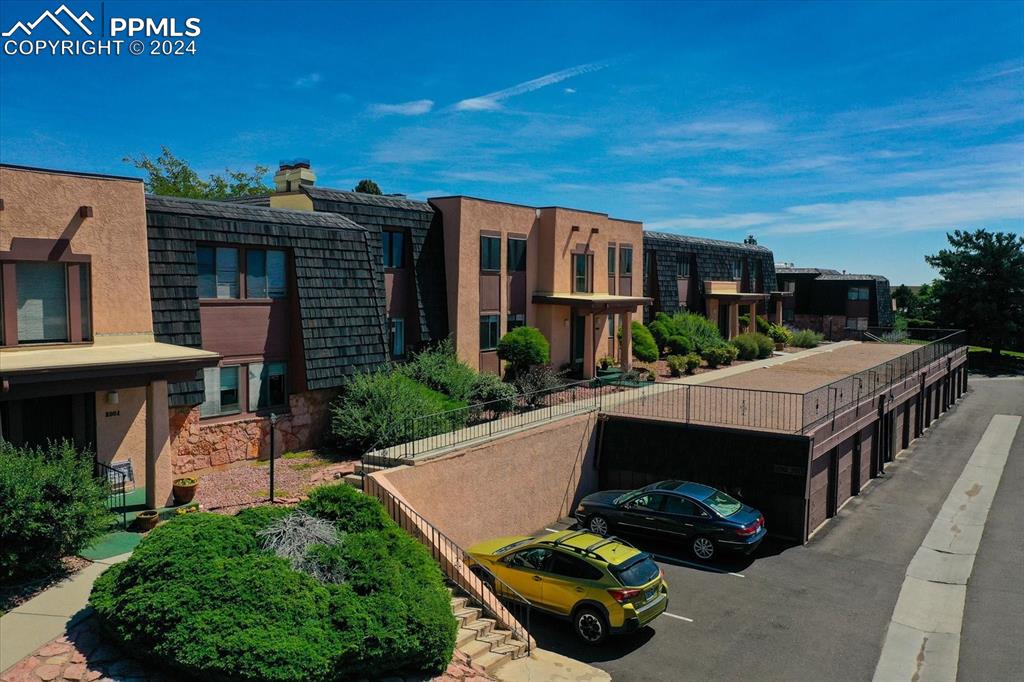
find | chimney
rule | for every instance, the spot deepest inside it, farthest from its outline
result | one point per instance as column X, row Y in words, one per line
column 292, row 174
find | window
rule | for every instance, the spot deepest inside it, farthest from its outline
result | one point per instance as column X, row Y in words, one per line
column 268, row 385
column 858, row 294
column 860, row 323
column 648, row 257
column 682, row 266
column 218, row 272
column 789, row 286
column 516, row 254
column 572, row 567
column 581, row 274
column 397, row 337
column 611, row 327
column 647, row 501
column 722, row 504
column 488, row 332
column 42, row 302
column 537, row 559
column 221, row 391
column 490, row 253
column 735, row 269
column 265, row 274
column 611, row 260
column 681, row 506
column 515, row 320
column 626, row 261
column 788, row 314
column 85, row 297
column 394, row 245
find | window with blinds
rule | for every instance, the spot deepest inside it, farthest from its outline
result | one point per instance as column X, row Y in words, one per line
column 42, row 299
column 221, row 392
column 268, row 385
column 265, row 274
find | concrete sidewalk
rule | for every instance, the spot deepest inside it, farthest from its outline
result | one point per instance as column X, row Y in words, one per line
column 48, row 614
column 547, row 666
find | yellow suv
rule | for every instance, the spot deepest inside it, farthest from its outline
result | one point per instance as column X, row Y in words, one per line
column 603, row 585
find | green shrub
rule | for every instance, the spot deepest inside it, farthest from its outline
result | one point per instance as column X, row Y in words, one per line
column 489, row 388
column 701, row 331
column 676, row 364
column 780, row 334
column 439, row 368
column 722, row 354
column 375, row 408
column 659, row 330
column 764, row 326
column 227, row 610
column 522, row 348
column 805, row 338
column 680, row 345
column 745, row 345
column 350, row 510
column 256, row 519
column 50, row 507
column 765, row 346
column 728, row 353
column 744, row 320
column 537, row 382
column 691, row 362
column 644, row 348
column 606, row 362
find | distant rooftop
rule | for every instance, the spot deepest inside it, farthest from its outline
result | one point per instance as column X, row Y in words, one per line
column 703, row 241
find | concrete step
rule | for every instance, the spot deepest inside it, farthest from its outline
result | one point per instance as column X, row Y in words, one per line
column 482, row 626
column 494, row 639
column 491, row 661
column 467, row 615
column 458, row 603
column 513, row 647
column 475, row 649
column 354, row 480
column 464, row 636
column 368, row 468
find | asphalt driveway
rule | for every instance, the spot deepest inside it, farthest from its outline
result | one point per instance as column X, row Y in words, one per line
column 821, row 611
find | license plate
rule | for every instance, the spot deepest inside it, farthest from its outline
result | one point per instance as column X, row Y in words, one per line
column 650, row 594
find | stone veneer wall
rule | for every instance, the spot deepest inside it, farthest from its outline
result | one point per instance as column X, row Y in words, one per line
column 198, row 445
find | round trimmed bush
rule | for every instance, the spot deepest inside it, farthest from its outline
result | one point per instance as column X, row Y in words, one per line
column 522, row 348
column 202, row 597
column 660, row 331
column 680, row 345
column 644, row 347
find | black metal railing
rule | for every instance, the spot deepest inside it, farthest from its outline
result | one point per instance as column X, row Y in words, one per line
column 116, row 482
column 824, row 403
column 715, row 405
column 497, row 598
column 426, row 433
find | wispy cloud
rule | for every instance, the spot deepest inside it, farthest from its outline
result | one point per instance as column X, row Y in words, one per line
column 308, row 81
column 695, row 136
column 416, row 107
column 492, row 101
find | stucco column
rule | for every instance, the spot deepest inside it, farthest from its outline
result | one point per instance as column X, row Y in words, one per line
column 778, row 311
column 752, row 323
column 626, row 346
column 588, row 347
column 734, row 319
column 159, row 476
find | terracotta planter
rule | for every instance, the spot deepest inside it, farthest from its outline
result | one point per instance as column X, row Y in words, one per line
column 147, row 520
column 184, row 490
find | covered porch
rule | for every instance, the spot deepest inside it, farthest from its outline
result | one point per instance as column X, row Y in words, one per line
column 108, row 397
column 587, row 315
column 723, row 300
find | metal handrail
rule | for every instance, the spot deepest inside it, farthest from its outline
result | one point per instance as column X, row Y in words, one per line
column 487, row 589
column 116, row 481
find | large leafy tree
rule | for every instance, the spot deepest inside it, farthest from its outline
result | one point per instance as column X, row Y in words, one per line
column 367, row 186
column 981, row 287
column 169, row 175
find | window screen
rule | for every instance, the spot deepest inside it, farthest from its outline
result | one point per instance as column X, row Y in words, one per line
column 626, row 260
column 268, row 385
column 221, row 391
column 490, row 253
column 516, row 254
column 397, row 337
column 394, row 245
column 488, row 332
column 42, row 302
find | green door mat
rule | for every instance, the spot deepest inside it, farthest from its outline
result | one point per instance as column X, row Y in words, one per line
column 112, row 544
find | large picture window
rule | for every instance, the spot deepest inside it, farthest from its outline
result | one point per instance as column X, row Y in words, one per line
column 489, row 332
column 490, row 253
column 516, row 254
column 265, row 274
column 221, row 397
column 218, row 272
column 268, row 385
column 393, row 244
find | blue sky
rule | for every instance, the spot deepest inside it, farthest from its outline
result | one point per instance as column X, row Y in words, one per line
column 850, row 136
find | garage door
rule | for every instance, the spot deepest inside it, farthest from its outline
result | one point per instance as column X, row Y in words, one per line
column 844, row 475
column 817, row 498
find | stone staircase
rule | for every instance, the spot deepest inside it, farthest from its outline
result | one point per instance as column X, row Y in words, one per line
column 355, row 479
column 487, row 647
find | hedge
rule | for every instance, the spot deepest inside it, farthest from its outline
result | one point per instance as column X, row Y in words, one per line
column 751, row 346
column 50, row 507
column 805, row 338
column 701, row 332
column 200, row 597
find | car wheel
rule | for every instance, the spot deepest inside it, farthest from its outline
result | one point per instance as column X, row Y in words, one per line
column 598, row 525
column 590, row 626
column 703, row 548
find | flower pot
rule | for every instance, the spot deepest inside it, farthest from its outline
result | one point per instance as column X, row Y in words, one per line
column 184, row 490
column 780, row 346
column 146, row 520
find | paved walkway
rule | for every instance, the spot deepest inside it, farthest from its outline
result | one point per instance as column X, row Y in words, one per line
column 923, row 639
column 48, row 614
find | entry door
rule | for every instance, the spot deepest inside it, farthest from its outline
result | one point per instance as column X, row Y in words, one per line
column 723, row 320
column 576, row 342
column 833, row 483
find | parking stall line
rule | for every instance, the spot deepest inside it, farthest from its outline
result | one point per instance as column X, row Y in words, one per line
column 672, row 615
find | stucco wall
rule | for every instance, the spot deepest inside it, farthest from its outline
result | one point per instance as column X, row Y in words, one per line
column 44, row 205
column 121, row 429
column 514, row 485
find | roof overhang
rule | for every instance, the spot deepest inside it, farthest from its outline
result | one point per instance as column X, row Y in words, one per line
column 26, row 372
column 737, row 297
column 595, row 303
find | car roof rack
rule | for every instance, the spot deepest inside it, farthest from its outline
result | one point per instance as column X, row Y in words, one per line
column 590, row 550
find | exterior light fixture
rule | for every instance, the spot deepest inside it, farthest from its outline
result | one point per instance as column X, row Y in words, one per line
column 112, row 398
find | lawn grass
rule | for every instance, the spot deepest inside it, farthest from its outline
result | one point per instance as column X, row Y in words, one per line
column 1008, row 353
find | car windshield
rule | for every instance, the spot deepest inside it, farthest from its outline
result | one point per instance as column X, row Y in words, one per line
column 637, row 571
column 623, row 497
column 722, row 503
